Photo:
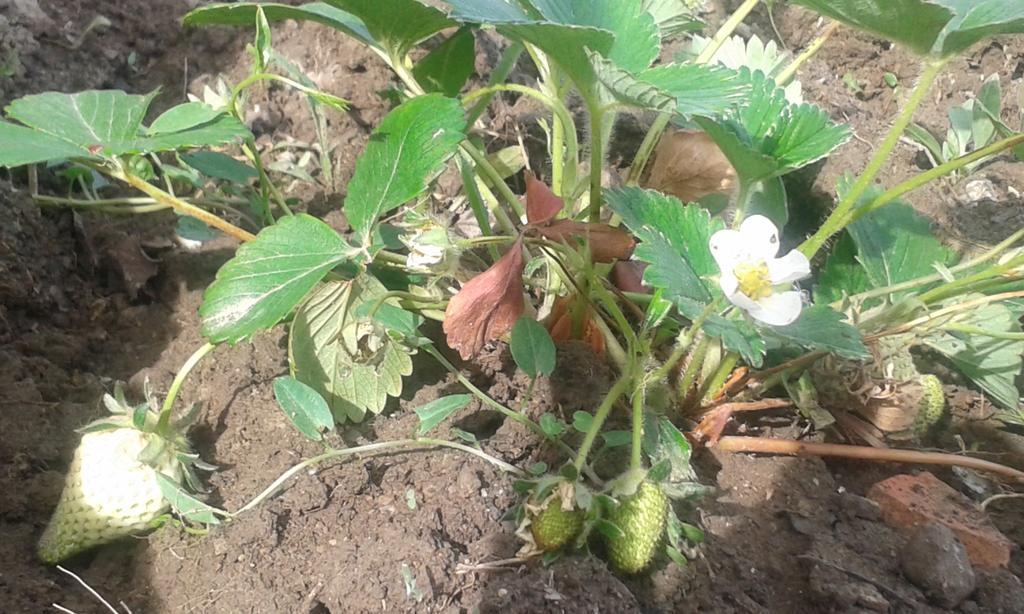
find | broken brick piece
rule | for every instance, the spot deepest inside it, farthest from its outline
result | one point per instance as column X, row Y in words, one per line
column 908, row 501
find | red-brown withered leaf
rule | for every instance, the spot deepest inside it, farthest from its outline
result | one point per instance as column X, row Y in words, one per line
column 689, row 166
column 487, row 306
column 607, row 243
column 628, row 276
column 541, row 203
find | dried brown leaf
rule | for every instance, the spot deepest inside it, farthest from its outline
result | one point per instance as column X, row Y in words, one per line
column 689, row 165
column 541, row 203
column 628, row 276
column 487, row 306
column 607, row 243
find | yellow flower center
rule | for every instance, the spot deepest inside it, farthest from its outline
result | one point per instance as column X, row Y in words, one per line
column 753, row 279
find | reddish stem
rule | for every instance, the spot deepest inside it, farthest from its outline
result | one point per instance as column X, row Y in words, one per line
column 799, row 448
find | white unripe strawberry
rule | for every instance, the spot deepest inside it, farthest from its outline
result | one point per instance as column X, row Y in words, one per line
column 111, row 490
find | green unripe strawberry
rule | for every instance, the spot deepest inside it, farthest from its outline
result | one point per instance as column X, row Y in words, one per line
column 642, row 520
column 932, row 406
column 555, row 527
column 111, row 489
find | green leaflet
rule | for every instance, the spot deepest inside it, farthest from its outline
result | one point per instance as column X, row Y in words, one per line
column 406, row 151
column 304, row 406
column 767, row 136
column 447, row 68
column 98, row 123
column 434, row 412
column 349, row 359
column 269, row 277
column 532, row 347
column 687, row 89
column 939, row 28
column 990, row 362
column 244, row 14
column 821, row 328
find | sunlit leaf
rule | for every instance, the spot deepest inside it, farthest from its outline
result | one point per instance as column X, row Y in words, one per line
column 821, row 328
column 269, row 276
column 434, row 412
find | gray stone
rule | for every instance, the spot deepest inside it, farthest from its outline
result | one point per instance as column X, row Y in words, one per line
column 936, row 561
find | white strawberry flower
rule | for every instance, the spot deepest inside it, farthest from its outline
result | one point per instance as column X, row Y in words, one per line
column 753, row 278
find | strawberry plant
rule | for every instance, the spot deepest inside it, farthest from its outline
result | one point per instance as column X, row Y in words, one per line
column 703, row 305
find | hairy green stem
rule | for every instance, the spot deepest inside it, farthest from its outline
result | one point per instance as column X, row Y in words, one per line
column 490, row 402
column 991, row 254
column 840, row 215
column 684, row 342
column 179, row 379
column 181, row 206
column 787, row 75
column 618, row 389
column 596, row 163
column 930, row 175
column 501, row 72
column 713, row 384
column 636, row 443
column 693, row 367
column 382, row 446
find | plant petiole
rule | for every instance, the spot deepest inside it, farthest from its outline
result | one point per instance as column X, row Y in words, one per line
column 179, row 379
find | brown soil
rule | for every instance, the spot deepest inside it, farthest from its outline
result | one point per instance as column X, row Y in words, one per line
column 79, row 309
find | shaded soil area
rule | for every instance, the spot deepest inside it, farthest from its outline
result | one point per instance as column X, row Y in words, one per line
column 86, row 300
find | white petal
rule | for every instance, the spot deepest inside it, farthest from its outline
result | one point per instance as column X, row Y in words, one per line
column 727, row 248
column 742, row 301
column 760, row 237
column 779, row 309
column 789, row 268
column 728, row 282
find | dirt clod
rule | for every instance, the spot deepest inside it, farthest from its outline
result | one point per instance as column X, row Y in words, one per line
column 935, row 560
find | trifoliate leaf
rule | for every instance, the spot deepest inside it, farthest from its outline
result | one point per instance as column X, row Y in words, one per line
column 99, row 123
column 350, row 360
column 767, row 136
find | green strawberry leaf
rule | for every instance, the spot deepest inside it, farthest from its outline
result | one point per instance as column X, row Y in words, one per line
column 895, row 244
column 97, row 123
column 673, row 241
column 349, row 359
column 28, row 146
column 687, row 89
column 738, row 336
column 447, row 68
column 434, row 412
column 407, row 150
column 304, row 407
column 637, row 38
column 262, row 47
column 821, row 328
column 532, row 347
column 244, row 14
column 269, row 276
column 220, row 166
column 940, row 28
column 990, row 362
column 842, row 274
column 768, row 136
column 673, row 17
column 565, row 43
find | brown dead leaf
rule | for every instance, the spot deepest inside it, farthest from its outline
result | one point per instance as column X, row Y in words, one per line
column 560, row 325
column 689, row 165
column 607, row 243
column 628, row 276
column 487, row 306
column 541, row 203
